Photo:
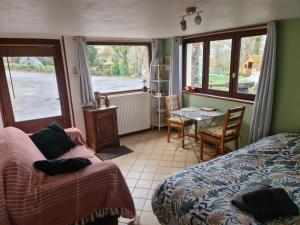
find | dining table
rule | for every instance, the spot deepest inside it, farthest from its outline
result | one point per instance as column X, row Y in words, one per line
column 204, row 115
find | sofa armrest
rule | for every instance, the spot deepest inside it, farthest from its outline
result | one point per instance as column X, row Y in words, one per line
column 75, row 135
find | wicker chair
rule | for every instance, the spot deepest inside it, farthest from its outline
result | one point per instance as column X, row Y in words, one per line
column 176, row 122
column 222, row 135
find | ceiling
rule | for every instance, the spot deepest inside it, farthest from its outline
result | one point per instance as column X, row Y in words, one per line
column 135, row 18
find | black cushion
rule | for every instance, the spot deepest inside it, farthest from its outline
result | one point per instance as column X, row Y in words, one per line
column 52, row 141
column 270, row 203
column 265, row 203
column 238, row 201
column 60, row 166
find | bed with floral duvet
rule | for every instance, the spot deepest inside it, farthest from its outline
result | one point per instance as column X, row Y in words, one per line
column 202, row 194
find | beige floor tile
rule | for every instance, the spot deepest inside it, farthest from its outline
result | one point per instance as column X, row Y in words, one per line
column 150, row 194
column 147, row 175
column 139, row 203
column 149, row 168
column 125, row 166
column 165, row 163
column 155, row 156
column 134, row 174
column 148, row 218
column 144, row 184
column 152, row 162
column 148, row 206
column 178, row 164
column 137, row 168
column 164, row 169
column 160, row 176
column 155, row 183
column 167, row 157
column 141, row 162
column 124, row 172
column 131, row 182
column 140, row 193
column 176, row 169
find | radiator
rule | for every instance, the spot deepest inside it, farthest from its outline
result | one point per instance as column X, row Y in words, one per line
column 133, row 111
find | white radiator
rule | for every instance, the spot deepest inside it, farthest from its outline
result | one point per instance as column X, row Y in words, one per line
column 133, row 111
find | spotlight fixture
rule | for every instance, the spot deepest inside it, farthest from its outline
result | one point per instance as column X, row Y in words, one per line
column 183, row 24
column 198, row 19
column 189, row 12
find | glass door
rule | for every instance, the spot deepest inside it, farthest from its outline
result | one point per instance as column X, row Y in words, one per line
column 33, row 89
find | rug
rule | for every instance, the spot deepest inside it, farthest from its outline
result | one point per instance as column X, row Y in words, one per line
column 113, row 152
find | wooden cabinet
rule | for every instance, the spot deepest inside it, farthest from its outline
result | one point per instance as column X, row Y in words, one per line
column 101, row 127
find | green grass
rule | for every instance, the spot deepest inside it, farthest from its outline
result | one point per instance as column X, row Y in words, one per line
column 31, row 68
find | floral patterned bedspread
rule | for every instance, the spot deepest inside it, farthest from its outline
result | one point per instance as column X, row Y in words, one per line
column 202, row 194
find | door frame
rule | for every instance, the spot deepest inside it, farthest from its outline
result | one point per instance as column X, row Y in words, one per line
column 6, row 106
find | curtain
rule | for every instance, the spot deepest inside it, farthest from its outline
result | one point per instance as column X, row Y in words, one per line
column 83, row 70
column 262, row 115
column 175, row 77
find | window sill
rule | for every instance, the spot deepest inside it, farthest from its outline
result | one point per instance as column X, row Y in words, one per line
column 122, row 92
column 220, row 97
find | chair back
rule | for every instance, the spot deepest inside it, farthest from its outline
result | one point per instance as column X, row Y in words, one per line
column 233, row 122
column 172, row 104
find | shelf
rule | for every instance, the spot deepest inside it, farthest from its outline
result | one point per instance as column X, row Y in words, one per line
column 160, row 81
column 160, row 111
column 158, row 65
column 163, row 124
column 157, row 96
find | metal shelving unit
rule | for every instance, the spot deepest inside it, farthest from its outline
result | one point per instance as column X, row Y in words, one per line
column 159, row 90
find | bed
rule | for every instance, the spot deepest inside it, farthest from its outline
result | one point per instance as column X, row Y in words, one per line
column 97, row 194
column 202, row 194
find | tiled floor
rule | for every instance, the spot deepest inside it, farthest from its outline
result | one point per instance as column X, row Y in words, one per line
column 152, row 160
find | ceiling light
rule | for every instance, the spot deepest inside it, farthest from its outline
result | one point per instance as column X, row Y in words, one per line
column 183, row 24
column 189, row 12
column 198, row 19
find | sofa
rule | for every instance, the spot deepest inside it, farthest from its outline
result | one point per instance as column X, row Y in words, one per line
column 30, row 197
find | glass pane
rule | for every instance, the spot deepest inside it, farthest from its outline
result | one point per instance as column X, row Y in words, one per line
column 117, row 68
column 219, row 65
column 251, row 54
column 194, row 64
column 32, row 87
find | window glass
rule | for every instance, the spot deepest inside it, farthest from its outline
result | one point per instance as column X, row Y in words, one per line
column 194, row 64
column 32, row 87
column 251, row 54
column 219, row 65
column 116, row 68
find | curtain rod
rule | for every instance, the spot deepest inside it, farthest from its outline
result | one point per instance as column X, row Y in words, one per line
column 226, row 31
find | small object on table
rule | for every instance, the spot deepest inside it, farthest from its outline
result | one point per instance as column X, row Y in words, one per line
column 189, row 109
column 145, row 89
column 209, row 109
column 192, row 89
column 106, row 101
column 187, row 88
column 95, row 104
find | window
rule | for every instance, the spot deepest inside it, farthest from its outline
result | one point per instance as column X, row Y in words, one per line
column 251, row 52
column 33, row 89
column 219, row 65
column 226, row 64
column 118, row 67
column 194, row 61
